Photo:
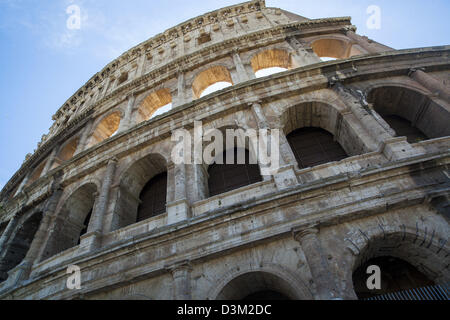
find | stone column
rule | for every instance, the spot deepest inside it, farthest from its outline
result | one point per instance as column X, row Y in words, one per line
column 50, row 161
column 105, row 88
column 285, row 176
column 373, row 133
column 303, row 56
column 141, row 64
column 181, row 273
column 38, row 243
column 377, row 132
column 8, row 232
column 240, row 69
column 23, row 184
column 431, row 83
column 321, row 272
column 84, row 137
column 92, row 239
column 180, row 98
column 126, row 122
column 179, row 209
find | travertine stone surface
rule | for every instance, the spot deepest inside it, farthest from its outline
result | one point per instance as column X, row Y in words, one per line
column 300, row 232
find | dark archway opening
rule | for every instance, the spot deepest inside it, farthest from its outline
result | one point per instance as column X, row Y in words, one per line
column 397, row 275
column 404, row 128
column 85, row 225
column 258, row 285
column 17, row 249
column 75, row 217
column 226, row 177
column 410, row 113
column 153, row 197
column 314, row 146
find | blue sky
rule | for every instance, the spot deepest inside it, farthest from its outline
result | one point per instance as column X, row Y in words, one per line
column 42, row 63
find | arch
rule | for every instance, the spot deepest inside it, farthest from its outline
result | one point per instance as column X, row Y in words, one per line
column 106, row 128
column 72, row 221
column 66, row 152
column 153, row 197
column 314, row 146
column 396, row 275
column 153, row 103
column 36, row 173
column 334, row 48
column 224, row 176
column 422, row 117
column 272, row 61
column 248, row 285
column 209, row 77
column 318, row 114
column 19, row 244
column 279, row 278
column 131, row 186
column 425, row 251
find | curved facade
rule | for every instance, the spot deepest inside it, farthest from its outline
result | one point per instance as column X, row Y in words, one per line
column 101, row 191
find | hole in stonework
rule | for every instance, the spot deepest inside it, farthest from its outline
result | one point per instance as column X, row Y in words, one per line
column 123, row 77
column 204, row 37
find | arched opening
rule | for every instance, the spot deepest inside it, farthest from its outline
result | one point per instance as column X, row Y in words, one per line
column 36, row 174
column 409, row 268
column 75, row 217
column 320, row 115
column 154, row 104
column 142, row 191
column 404, row 128
column 66, row 153
column 211, row 80
column 314, row 146
column 272, row 61
column 257, row 286
column 396, row 275
column 332, row 49
column 18, row 247
column 410, row 113
column 105, row 129
column 224, row 177
column 153, row 198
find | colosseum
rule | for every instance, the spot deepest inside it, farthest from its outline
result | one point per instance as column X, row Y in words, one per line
column 364, row 179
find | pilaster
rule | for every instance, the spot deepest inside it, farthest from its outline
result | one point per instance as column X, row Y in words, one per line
column 322, row 273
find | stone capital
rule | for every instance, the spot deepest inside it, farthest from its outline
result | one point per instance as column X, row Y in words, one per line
column 113, row 160
column 184, row 265
column 300, row 233
column 413, row 70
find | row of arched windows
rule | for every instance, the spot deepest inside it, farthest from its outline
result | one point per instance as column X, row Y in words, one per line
column 264, row 63
column 399, row 107
column 144, row 188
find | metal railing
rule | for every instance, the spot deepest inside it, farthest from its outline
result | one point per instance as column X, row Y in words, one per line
column 436, row 292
